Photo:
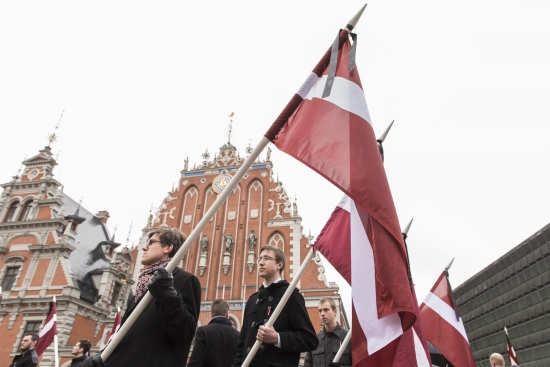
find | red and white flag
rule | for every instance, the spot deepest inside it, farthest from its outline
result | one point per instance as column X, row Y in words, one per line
column 49, row 330
column 334, row 137
column 378, row 279
column 116, row 326
column 514, row 361
column 444, row 329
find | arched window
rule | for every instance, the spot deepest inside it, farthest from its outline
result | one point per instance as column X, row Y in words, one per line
column 26, row 211
column 276, row 240
column 10, row 216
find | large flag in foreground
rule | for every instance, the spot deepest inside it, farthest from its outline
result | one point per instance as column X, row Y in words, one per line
column 49, row 330
column 377, row 341
column 333, row 136
column 444, row 329
column 514, row 361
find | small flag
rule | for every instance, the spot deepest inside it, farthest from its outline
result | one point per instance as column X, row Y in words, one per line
column 444, row 328
column 48, row 331
column 116, row 326
column 514, row 361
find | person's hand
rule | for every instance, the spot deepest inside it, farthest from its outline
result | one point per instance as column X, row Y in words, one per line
column 267, row 335
column 93, row 361
column 161, row 284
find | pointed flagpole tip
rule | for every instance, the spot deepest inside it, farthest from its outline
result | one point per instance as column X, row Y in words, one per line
column 505, row 330
column 451, row 263
column 406, row 230
column 118, row 308
column 54, row 299
column 353, row 21
column 383, row 136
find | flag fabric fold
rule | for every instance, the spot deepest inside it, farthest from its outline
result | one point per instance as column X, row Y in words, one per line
column 444, row 329
column 514, row 360
column 349, row 242
column 49, row 330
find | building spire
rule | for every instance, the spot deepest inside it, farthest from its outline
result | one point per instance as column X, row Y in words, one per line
column 230, row 127
column 129, row 231
column 53, row 137
column 76, row 214
column 114, row 232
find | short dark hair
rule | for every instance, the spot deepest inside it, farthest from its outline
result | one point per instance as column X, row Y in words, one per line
column 86, row 345
column 330, row 301
column 219, row 307
column 279, row 255
column 34, row 337
column 169, row 236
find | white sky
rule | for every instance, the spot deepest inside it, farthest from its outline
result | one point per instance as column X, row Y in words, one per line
column 145, row 84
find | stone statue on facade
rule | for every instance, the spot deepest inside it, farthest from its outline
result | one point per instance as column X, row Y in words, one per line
column 251, row 240
column 228, row 243
column 268, row 155
column 186, row 164
column 204, row 244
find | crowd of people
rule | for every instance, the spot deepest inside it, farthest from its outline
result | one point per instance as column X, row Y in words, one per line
column 163, row 333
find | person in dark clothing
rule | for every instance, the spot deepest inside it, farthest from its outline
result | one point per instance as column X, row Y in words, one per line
column 216, row 343
column 330, row 339
column 162, row 334
column 80, row 352
column 28, row 356
column 292, row 332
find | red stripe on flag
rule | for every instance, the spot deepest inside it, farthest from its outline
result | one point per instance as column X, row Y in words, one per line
column 49, row 330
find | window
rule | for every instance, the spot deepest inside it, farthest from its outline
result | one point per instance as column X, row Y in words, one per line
column 26, row 211
column 276, row 240
column 116, row 293
column 32, row 327
column 9, row 278
column 10, row 216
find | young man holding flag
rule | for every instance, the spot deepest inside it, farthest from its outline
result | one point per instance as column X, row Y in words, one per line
column 28, row 356
column 292, row 332
column 162, row 334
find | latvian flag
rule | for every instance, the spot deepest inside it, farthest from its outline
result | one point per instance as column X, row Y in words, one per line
column 333, row 136
column 116, row 326
column 444, row 329
column 379, row 283
column 514, row 361
column 49, row 330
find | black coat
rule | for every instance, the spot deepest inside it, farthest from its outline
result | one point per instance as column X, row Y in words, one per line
column 293, row 325
column 215, row 344
column 329, row 344
column 29, row 359
column 78, row 361
column 162, row 334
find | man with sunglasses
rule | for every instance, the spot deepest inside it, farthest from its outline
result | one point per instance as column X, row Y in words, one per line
column 162, row 334
column 292, row 332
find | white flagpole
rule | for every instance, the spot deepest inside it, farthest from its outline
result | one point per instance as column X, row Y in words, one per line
column 55, row 341
column 280, row 306
column 342, row 347
column 186, row 245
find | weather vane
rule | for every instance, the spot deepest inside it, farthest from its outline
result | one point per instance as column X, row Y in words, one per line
column 230, row 126
column 249, row 149
column 53, row 137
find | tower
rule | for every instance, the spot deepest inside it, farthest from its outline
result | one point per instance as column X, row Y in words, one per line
column 51, row 245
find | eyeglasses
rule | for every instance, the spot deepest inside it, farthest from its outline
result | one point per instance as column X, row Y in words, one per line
column 150, row 242
column 265, row 259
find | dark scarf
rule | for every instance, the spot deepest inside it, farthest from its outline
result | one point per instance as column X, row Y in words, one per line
column 145, row 276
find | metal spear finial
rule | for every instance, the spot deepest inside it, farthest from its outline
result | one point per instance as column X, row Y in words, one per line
column 449, row 266
column 353, row 21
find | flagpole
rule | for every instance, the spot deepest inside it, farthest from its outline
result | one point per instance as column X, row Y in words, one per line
column 342, row 347
column 280, row 305
column 186, row 245
column 55, row 342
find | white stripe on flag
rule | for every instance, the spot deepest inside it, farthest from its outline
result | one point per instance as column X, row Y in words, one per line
column 48, row 326
column 378, row 332
column 345, row 94
column 421, row 359
column 344, row 203
column 446, row 312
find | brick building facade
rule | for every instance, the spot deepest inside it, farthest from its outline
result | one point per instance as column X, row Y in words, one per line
column 51, row 245
column 259, row 203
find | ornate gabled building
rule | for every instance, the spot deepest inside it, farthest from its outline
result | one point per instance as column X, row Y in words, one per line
column 51, row 245
column 258, row 212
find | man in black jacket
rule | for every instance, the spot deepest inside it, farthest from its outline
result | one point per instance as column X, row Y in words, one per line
column 292, row 332
column 28, row 356
column 162, row 334
column 216, row 343
column 330, row 339
column 80, row 352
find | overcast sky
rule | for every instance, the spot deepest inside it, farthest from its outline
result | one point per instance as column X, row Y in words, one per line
column 145, row 84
